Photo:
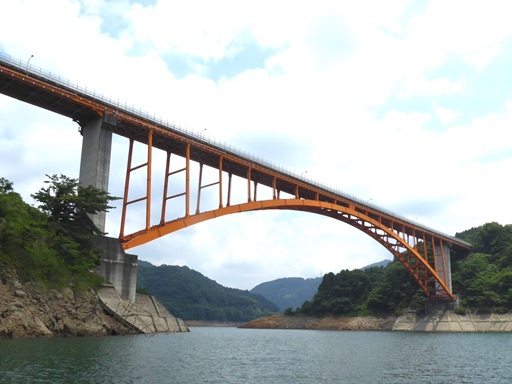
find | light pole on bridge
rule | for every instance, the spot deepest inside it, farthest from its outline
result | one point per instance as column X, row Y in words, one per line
column 28, row 61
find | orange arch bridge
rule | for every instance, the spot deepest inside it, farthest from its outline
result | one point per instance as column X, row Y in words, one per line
column 206, row 171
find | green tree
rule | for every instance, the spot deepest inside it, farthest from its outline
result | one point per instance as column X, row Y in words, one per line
column 477, row 281
column 69, row 206
column 395, row 290
column 24, row 240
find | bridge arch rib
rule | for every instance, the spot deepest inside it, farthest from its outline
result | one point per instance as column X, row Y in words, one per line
column 418, row 256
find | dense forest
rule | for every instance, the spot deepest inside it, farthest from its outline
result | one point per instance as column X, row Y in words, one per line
column 53, row 243
column 482, row 281
column 192, row 296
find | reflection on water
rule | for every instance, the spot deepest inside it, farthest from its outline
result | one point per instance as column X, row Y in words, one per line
column 229, row 355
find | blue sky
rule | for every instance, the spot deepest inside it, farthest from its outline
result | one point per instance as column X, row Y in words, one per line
column 407, row 104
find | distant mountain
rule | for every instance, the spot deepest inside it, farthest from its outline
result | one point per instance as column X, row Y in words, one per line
column 288, row 292
column 382, row 263
column 292, row 292
column 192, row 296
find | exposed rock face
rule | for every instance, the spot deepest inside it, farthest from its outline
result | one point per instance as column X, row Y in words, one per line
column 437, row 321
column 368, row 323
column 28, row 310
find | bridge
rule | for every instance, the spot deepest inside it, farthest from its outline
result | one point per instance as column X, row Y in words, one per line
column 425, row 252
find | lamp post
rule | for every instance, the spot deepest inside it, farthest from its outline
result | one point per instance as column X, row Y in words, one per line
column 28, row 61
column 303, row 173
column 201, row 134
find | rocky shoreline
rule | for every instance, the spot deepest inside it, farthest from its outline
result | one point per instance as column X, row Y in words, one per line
column 367, row 323
column 208, row 323
column 29, row 310
column 437, row 321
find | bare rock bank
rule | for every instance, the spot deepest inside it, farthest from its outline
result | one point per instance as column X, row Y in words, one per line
column 410, row 321
column 28, row 310
column 368, row 323
column 207, row 323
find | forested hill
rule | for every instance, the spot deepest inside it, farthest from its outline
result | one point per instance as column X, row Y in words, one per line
column 482, row 280
column 288, row 292
column 292, row 292
column 191, row 296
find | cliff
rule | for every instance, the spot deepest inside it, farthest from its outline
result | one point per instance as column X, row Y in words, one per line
column 29, row 310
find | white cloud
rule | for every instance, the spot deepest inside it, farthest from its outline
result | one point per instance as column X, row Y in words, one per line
column 446, row 115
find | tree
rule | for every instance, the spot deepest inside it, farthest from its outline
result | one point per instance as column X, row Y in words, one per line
column 68, row 206
column 477, row 281
column 6, row 186
column 24, row 240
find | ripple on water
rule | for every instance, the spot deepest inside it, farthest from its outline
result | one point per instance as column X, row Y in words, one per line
column 230, row 355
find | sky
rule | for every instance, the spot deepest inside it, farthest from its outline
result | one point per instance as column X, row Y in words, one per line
column 405, row 104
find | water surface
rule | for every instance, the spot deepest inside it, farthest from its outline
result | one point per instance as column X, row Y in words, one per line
column 230, row 355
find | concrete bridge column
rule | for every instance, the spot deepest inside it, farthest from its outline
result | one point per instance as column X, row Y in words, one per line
column 445, row 267
column 95, row 160
column 117, row 267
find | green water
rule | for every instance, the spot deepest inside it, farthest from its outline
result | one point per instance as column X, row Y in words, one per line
column 229, row 355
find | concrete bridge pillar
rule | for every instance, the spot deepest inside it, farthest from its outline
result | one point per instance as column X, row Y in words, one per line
column 446, row 266
column 117, row 267
column 95, row 160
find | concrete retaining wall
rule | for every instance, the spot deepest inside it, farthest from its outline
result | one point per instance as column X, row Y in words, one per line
column 146, row 314
column 449, row 321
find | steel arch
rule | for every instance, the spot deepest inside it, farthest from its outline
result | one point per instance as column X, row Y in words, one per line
column 397, row 242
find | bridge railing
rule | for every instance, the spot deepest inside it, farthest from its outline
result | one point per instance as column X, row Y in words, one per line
column 75, row 87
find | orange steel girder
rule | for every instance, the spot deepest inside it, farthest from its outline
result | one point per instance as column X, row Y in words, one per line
column 414, row 247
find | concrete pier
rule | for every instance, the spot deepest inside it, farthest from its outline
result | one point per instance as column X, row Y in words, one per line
column 95, row 159
column 117, row 267
column 444, row 268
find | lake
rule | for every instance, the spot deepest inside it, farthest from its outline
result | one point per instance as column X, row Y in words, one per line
column 231, row 355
